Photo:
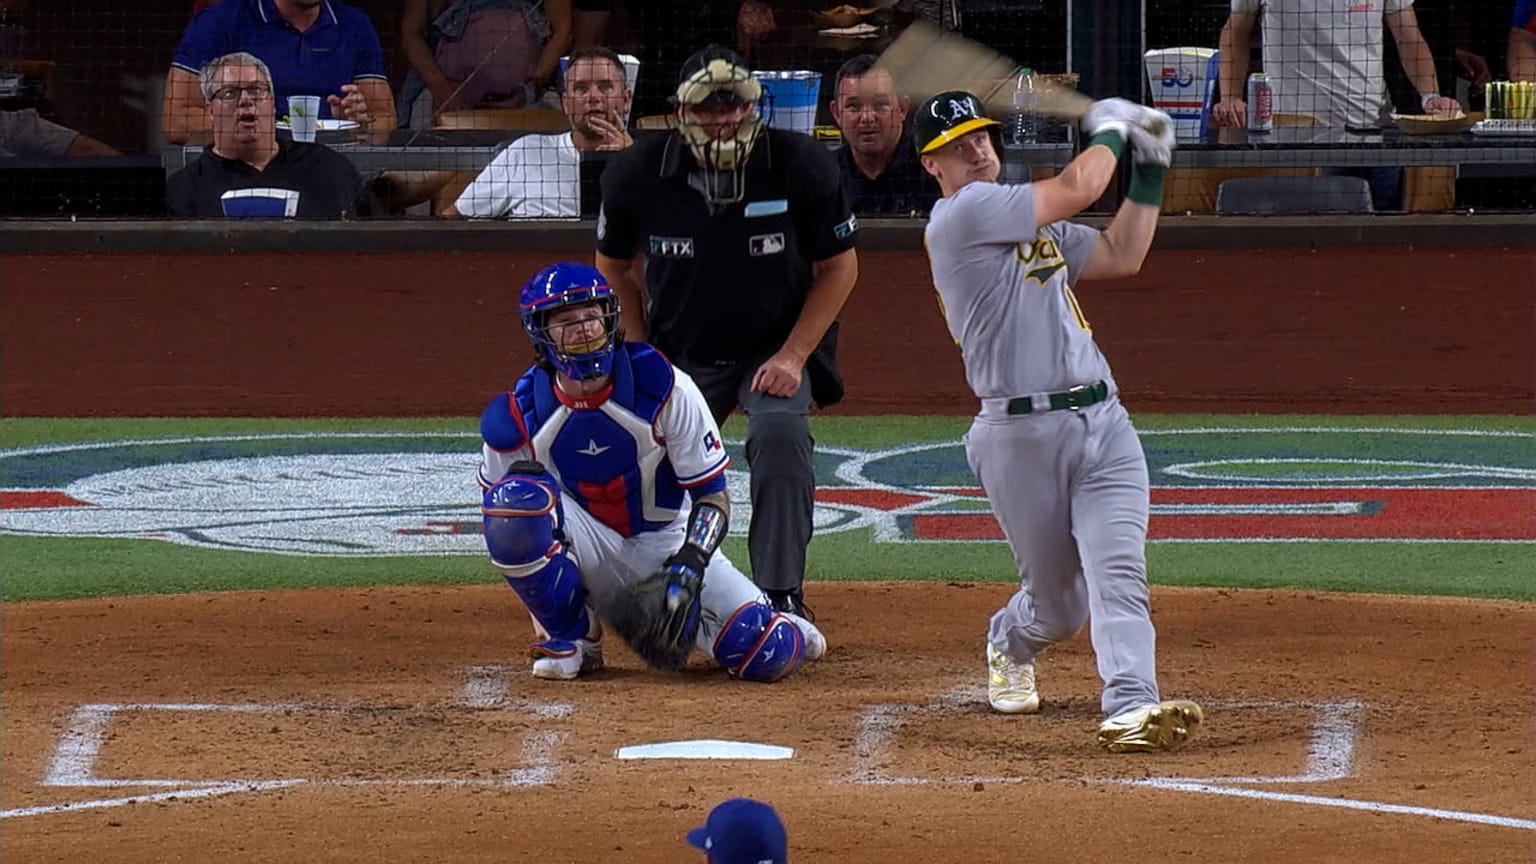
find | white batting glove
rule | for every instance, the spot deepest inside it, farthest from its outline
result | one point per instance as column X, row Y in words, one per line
column 1112, row 115
column 1149, row 147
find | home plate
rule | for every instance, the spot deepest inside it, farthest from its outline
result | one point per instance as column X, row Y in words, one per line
column 706, row 748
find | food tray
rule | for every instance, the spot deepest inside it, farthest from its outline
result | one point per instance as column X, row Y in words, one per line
column 1506, row 128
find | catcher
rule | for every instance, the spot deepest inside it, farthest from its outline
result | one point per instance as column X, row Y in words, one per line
column 605, row 500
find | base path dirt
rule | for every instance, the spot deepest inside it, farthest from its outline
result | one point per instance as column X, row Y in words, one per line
column 401, row 724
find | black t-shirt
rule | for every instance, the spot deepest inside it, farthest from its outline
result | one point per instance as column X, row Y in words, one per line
column 327, row 183
column 728, row 286
column 902, row 189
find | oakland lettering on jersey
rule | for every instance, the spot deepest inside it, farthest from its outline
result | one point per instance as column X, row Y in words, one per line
column 1040, row 249
column 1045, row 255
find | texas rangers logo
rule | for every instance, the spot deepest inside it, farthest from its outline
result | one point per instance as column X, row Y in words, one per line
column 711, row 442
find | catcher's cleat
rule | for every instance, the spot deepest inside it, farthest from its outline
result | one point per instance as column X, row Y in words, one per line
column 1010, row 684
column 560, row 660
column 1167, row 725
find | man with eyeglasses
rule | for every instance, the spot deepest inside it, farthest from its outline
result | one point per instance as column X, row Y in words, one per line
column 319, row 48
column 247, row 171
column 881, row 174
column 539, row 176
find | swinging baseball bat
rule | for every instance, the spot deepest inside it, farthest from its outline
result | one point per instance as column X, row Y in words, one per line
column 926, row 59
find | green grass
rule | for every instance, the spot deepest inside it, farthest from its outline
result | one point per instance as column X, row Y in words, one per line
column 43, row 568
column 46, row 568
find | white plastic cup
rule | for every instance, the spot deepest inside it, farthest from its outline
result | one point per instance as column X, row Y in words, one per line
column 303, row 117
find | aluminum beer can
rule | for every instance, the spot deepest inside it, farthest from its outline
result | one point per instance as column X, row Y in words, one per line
column 1261, row 103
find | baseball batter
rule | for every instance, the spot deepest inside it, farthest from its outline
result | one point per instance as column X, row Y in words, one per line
column 1052, row 446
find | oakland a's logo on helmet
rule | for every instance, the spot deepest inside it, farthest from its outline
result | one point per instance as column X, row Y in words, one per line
column 960, row 109
column 947, row 116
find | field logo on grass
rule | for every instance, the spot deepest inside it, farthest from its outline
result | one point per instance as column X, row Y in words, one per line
column 395, row 493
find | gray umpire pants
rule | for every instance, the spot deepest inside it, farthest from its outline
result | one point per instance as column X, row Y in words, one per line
column 779, row 456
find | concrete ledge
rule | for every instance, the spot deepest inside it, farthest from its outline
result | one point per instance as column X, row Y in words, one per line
column 1517, row 230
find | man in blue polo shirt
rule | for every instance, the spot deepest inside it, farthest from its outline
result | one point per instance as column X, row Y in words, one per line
column 313, row 47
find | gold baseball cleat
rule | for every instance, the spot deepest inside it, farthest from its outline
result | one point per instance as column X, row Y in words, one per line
column 1167, row 725
column 1010, row 684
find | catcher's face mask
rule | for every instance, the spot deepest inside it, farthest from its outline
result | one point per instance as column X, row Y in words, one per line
column 717, row 115
column 572, row 316
column 579, row 340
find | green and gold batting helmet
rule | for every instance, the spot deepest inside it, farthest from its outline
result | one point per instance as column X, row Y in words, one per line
column 946, row 117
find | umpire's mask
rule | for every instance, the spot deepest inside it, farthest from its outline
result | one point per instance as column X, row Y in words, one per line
column 718, row 118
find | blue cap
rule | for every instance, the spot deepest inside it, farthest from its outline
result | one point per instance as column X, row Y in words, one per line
column 742, row 831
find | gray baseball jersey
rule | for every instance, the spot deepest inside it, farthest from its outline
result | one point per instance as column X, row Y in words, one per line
column 1006, row 291
column 1068, row 487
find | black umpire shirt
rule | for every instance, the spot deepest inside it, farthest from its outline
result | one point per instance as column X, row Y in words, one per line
column 902, row 189
column 328, row 184
column 727, row 287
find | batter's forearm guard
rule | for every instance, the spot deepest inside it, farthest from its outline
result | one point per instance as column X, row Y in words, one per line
column 1147, row 184
column 1114, row 140
column 707, row 525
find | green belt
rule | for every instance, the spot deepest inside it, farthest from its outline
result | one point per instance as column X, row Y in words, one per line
column 1074, row 398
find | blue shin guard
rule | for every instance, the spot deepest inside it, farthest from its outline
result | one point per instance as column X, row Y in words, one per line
column 522, row 534
column 759, row 644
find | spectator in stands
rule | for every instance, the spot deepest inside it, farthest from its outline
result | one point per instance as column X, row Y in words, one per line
column 315, row 47
column 881, row 171
column 1327, row 65
column 1449, row 28
column 1522, row 41
column 24, row 133
column 247, row 170
column 539, row 176
column 479, row 54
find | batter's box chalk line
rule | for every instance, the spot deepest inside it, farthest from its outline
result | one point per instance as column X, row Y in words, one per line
column 1330, row 756
column 81, row 742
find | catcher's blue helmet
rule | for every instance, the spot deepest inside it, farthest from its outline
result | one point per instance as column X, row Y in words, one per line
column 569, row 284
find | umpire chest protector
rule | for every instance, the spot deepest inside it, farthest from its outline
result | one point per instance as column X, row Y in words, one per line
column 725, row 282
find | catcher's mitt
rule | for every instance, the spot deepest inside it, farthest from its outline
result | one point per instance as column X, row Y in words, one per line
column 659, row 615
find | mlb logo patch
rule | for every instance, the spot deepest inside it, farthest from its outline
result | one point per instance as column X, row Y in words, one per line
column 766, row 244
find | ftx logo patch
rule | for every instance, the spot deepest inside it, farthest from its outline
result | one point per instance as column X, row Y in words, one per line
column 671, row 247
